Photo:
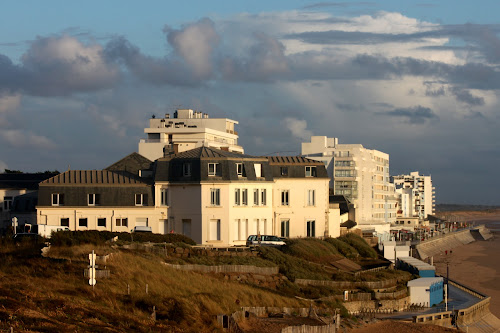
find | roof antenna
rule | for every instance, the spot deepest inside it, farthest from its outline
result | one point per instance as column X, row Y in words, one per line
column 69, row 167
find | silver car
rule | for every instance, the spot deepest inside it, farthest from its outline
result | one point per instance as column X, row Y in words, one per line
column 264, row 240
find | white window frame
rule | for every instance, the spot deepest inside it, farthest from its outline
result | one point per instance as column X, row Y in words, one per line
column 285, row 228
column 214, row 169
column 86, row 222
column 57, row 197
column 285, row 197
column 7, row 203
column 263, row 197
column 237, row 197
column 218, row 230
column 164, row 197
column 311, row 171
column 93, row 199
column 105, row 222
column 215, row 197
column 311, row 197
column 258, row 170
column 244, row 197
column 121, row 222
column 239, row 169
column 143, row 197
column 256, row 197
column 311, row 228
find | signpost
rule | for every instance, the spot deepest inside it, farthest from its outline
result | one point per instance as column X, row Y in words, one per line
column 92, row 267
column 14, row 224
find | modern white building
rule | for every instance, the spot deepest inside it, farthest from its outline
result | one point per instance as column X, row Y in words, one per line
column 360, row 174
column 417, row 194
column 188, row 129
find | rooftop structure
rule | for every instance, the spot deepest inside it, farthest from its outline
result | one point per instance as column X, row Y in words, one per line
column 188, row 129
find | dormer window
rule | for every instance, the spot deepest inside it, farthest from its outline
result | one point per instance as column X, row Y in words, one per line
column 240, row 170
column 310, row 171
column 93, row 199
column 258, row 170
column 186, row 169
column 57, row 199
column 141, row 199
column 284, row 171
column 214, row 169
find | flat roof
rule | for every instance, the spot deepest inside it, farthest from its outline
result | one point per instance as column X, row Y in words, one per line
column 418, row 264
column 424, row 282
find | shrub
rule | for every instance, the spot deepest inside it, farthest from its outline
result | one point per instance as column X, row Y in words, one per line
column 344, row 248
column 360, row 245
column 311, row 249
column 68, row 238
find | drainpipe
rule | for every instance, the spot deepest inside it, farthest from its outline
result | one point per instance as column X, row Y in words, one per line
column 75, row 219
column 112, row 215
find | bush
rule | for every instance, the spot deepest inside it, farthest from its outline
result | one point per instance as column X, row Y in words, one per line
column 311, row 249
column 344, row 248
column 360, row 245
column 69, row 238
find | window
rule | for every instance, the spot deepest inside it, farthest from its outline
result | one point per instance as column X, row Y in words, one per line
column 215, row 196
column 285, row 228
column 263, row 197
column 237, row 197
column 164, row 197
column 186, row 169
column 258, row 170
column 240, row 229
column 214, row 230
column 285, row 197
column 121, row 222
column 82, row 222
column 101, row 222
column 64, row 222
column 186, row 227
column 141, row 199
column 311, row 200
column 284, row 171
column 57, row 199
column 7, row 203
column 344, row 173
column 244, row 197
column 240, row 170
column 256, row 197
column 214, row 169
column 344, row 163
column 93, row 199
column 310, row 171
column 311, row 228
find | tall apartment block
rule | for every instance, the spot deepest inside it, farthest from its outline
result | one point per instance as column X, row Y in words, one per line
column 188, row 129
column 358, row 173
column 420, row 193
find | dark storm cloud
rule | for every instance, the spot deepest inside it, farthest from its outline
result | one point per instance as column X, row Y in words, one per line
column 466, row 97
column 414, row 115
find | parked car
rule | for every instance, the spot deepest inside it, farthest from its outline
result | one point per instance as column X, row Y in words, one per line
column 142, row 229
column 265, row 240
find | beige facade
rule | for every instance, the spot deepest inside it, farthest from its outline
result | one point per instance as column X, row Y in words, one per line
column 360, row 174
column 186, row 130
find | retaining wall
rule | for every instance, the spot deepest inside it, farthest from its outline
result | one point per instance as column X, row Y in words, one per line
column 442, row 319
column 310, row 329
column 245, row 269
column 377, row 306
column 447, row 242
column 380, row 285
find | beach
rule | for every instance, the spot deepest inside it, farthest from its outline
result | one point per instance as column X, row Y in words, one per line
column 477, row 264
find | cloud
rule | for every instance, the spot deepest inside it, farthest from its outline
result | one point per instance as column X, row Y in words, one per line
column 466, row 97
column 58, row 66
column 195, row 44
column 298, row 128
column 266, row 61
column 9, row 103
column 414, row 115
column 23, row 139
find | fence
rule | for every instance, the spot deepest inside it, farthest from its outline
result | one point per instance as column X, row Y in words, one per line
column 393, row 295
column 371, row 270
column 227, row 269
column 310, row 329
column 349, row 284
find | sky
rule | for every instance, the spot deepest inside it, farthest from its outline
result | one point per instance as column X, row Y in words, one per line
column 418, row 80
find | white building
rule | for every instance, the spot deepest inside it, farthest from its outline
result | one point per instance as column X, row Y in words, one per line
column 418, row 194
column 360, row 174
column 188, row 129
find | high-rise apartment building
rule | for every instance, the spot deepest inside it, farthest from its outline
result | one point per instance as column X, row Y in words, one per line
column 188, row 129
column 421, row 194
column 360, row 174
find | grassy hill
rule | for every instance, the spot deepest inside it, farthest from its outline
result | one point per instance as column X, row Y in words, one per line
column 49, row 294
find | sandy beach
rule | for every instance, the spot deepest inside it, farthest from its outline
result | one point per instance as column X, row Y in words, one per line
column 477, row 265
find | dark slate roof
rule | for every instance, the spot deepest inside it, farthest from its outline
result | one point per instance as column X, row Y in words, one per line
column 207, row 152
column 292, row 160
column 348, row 224
column 93, row 177
column 25, row 203
column 131, row 163
column 28, row 181
column 342, row 201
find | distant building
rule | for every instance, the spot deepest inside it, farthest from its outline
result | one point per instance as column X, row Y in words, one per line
column 360, row 174
column 427, row 291
column 188, row 129
column 13, row 203
column 417, row 193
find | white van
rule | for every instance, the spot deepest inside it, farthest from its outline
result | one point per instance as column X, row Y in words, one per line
column 141, row 228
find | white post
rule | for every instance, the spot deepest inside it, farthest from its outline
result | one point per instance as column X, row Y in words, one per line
column 446, row 296
column 14, row 224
